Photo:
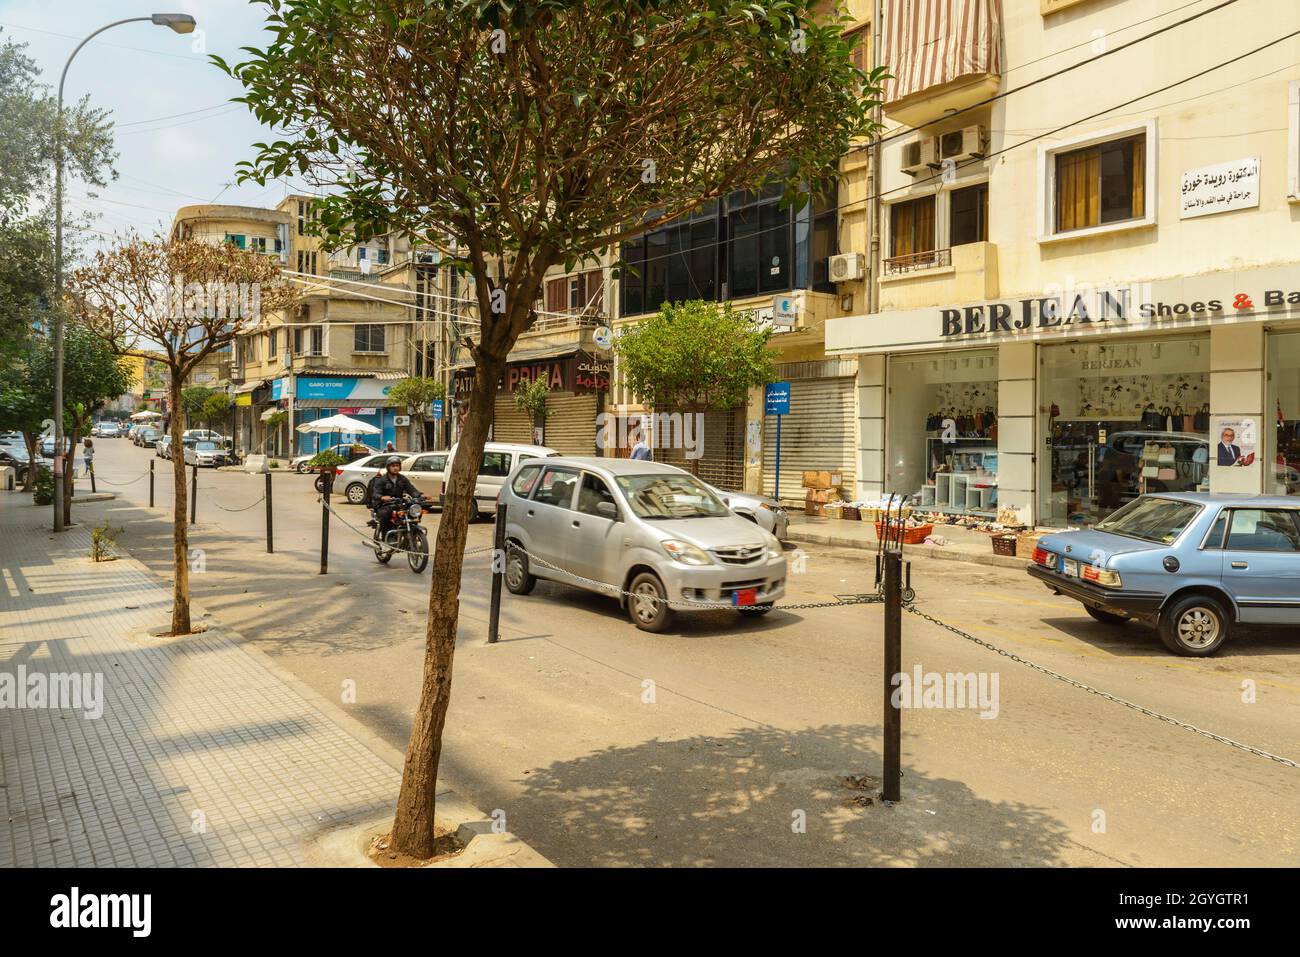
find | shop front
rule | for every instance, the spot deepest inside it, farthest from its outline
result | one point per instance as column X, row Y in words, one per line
column 1061, row 408
column 578, row 382
column 318, row 397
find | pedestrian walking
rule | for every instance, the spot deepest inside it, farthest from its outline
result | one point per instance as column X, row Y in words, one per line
column 88, row 454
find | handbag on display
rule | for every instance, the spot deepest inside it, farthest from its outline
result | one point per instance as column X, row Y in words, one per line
column 1166, row 456
column 1167, row 416
column 1150, row 471
column 1152, row 420
column 1167, row 474
column 1201, row 422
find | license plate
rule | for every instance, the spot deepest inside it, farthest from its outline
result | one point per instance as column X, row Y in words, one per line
column 1069, row 568
column 745, row 596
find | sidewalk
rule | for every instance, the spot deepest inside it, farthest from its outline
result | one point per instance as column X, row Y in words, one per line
column 963, row 545
column 205, row 754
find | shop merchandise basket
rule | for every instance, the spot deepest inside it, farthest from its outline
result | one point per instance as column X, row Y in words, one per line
column 1004, row 544
column 911, row 536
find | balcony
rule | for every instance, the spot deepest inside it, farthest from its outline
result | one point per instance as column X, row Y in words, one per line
column 940, row 277
column 944, row 55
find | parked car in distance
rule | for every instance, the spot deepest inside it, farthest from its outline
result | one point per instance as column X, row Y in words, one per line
column 163, row 447
column 651, row 530
column 16, row 457
column 499, row 459
column 1193, row 565
column 427, row 472
column 349, row 452
column 352, row 479
column 760, row 509
column 206, row 453
column 110, row 430
column 149, row 437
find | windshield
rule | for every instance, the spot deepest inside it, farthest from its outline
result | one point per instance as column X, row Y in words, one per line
column 1159, row 520
column 204, row 446
column 670, row 496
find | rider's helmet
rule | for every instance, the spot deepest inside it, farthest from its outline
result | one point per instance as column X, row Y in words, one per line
column 393, row 460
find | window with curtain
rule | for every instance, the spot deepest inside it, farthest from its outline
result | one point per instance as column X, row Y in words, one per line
column 911, row 227
column 1101, row 184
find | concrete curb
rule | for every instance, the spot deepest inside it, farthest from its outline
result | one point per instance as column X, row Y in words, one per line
column 343, row 845
column 940, row 552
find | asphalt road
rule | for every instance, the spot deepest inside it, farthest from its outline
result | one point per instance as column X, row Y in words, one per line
column 727, row 740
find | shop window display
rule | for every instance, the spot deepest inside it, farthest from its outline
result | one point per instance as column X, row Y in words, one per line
column 1284, row 401
column 943, row 438
column 1121, row 420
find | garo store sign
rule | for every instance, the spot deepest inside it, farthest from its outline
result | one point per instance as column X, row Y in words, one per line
column 1114, row 306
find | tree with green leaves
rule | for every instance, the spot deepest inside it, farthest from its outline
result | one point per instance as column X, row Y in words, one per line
column 418, row 394
column 530, row 399
column 517, row 135
column 193, row 398
column 25, row 406
column 215, row 409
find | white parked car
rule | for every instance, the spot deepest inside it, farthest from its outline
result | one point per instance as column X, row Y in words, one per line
column 353, row 478
column 205, row 454
column 498, row 460
column 427, row 472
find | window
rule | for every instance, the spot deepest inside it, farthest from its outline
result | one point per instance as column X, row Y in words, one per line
column 758, row 249
column 672, row 264
column 556, row 488
column 307, row 262
column 301, row 223
column 911, row 227
column 297, row 342
column 1151, row 519
column 258, row 244
column 1101, row 184
column 1263, row 530
column 236, row 240
column 969, row 218
column 523, row 483
column 272, row 340
column 495, row 465
column 367, row 338
column 859, row 38
column 591, row 493
column 430, row 463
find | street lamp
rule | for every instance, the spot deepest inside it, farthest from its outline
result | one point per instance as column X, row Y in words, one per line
column 179, row 23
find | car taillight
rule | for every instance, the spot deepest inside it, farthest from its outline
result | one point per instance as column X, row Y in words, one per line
column 1102, row 576
column 1040, row 556
column 338, row 471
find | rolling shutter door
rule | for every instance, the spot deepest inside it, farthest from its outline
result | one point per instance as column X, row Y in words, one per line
column 571, row 425
column 818, row 434
column 509, row 424
column 723, row 461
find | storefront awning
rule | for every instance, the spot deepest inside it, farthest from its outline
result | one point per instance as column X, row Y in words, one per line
column 251, row 385
column 528, row 355
column 349, row 403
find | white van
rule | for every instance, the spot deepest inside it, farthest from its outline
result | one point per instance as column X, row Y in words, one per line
column 499, row 458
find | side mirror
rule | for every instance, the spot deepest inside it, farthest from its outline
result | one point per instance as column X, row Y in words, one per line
column 607, row 510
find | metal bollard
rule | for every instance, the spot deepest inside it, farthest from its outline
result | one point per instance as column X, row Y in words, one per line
column 327, row 480
column 194, row 493
column 270, row 542
column 151, row 483
column 498, row 571
column 891, row 726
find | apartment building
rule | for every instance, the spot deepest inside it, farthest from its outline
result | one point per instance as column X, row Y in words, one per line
column 1088, row 279
column 793, row 270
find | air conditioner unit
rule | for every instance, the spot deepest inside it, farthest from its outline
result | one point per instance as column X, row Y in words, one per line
column 401, row 420
column 847, row 267
column 919, row 156
column 970, row 142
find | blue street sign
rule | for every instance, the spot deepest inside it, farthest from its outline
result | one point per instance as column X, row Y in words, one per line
column 776, row 398
column 437, row 408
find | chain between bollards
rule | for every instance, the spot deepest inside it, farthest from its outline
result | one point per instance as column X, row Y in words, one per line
column 498, row 570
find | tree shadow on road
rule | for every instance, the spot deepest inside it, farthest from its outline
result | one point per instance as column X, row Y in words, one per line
column 737, row 800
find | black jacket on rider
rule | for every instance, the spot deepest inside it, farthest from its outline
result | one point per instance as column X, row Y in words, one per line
column 394, row 486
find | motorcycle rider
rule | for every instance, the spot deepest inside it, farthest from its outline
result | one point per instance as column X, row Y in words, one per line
column 386, row 493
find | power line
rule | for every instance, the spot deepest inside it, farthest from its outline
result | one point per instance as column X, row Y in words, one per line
column 172, row 116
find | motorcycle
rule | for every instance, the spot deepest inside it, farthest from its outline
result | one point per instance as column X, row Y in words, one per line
column 406, row 534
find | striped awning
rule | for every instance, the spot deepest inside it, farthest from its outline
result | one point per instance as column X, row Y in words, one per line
column 931, row 43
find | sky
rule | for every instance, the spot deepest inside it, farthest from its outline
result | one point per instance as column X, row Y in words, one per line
column 178, row 136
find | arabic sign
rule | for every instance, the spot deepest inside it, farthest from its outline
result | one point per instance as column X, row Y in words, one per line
column 1220, row 188
column 776, row 396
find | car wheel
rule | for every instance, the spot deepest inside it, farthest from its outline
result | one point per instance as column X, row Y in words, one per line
column 1105, row 617
column 356, row 493
column 1194, row 626
column 475, row 513
column 300, row 467
column 518, row 579
column 647, row 604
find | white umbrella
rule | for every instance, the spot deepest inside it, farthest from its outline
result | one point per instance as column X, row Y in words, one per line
column 339, row 423
column 141, row 416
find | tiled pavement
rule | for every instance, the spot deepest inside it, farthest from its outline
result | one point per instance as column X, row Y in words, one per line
column 204, row 755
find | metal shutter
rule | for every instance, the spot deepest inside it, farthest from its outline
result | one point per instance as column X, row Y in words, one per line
column 509, row 424
column 818, row 434
column 723, row 461
column 571, row 424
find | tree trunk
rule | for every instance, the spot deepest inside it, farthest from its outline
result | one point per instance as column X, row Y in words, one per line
column 180, row 531
column 33, row 442
column 68, row 468
column 413, row 823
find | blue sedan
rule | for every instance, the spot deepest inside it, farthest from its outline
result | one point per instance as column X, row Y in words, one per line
column 1193, row 565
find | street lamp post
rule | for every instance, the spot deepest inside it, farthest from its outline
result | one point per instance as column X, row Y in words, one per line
column 180, row 23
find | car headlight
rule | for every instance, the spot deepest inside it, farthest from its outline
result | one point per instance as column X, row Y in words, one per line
column 766, row 506
column 685, row 552
column 1102, row 576
column 774, row 549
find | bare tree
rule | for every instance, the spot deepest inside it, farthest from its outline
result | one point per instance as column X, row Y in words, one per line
column 178, row 301
column 529, row 133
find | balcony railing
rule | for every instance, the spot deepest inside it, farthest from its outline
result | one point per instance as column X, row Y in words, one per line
column 914, row 262
column 569, row 319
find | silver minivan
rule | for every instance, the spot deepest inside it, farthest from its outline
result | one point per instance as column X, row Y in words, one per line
column 652, row 534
